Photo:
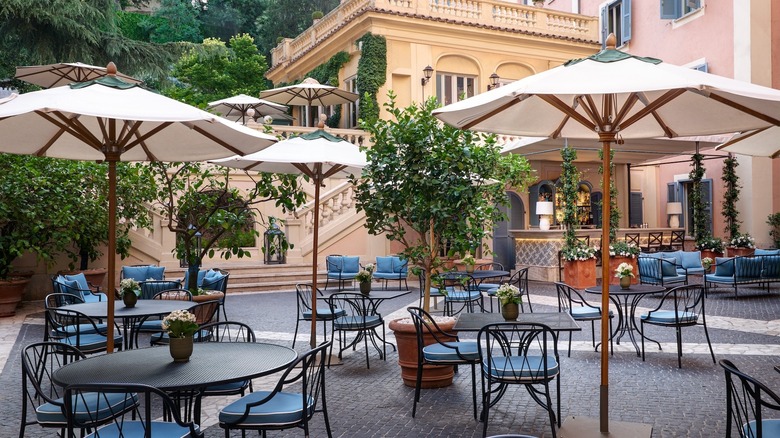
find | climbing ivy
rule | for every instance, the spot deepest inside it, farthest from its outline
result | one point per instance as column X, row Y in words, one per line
column 730, row 198
column 328, row 73
column 700, row 232
column 371, row 75
column 614, row 212
column 570, row 178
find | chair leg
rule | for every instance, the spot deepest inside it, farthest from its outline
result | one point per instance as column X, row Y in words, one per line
column 570, row 335
column 707, row 335
column 474, row 388
column 679, row 347
column 295, row 335
column 417, row 387
column 642, row 335
column 365, row 344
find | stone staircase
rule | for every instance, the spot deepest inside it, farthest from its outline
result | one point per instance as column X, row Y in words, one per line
column 252, row 277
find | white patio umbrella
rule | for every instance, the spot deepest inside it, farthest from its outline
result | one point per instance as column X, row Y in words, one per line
column 309, row 93
column 757, row 143
column 235, row 107
column 64, row 73
column 319, row 156
column 612, row 96
column 111, row 120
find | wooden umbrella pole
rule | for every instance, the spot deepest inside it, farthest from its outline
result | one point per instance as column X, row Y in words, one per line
column 111, row 282
column 314, row 250
column 605, row 215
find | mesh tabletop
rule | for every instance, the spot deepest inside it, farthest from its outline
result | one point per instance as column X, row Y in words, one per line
column 557, row 321
column 477, row 274
column 143, row 308
column 634, row 289
column 210, row 363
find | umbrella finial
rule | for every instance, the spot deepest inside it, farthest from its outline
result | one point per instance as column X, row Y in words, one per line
column 111, row 69
column 611, row 41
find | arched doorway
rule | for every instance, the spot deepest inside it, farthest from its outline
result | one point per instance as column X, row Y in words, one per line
column 503, row 243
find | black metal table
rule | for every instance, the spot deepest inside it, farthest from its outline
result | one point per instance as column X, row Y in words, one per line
column 130, row 316
column 557, row 321
column 478, row 275
column 626, row 301
column 211, row 363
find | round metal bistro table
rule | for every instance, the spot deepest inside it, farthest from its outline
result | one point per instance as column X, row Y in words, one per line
column 211, row 363
column 130, row 316
column 626, row 301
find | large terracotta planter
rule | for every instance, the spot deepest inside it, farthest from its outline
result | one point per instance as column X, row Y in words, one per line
column 740, row 252
column 434, row 376
column 614, row 262
column 580, row 274
column 11, row 295
column 711, row 254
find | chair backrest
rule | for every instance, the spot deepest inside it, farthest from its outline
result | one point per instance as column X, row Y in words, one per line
column 655, row 239
column 425, row 325
column 352, row 304
column 490, row 266
column 59, row 285
column 460, row 282
column 111, row 400
column 334, row 263
column 53, row 301
column 678, row 238
column 400, row 265
column 39, row 361
column 687, row 303
column 303, row 292
column 226, row 331
column 143, row 272
column 569, row 297
column 150, row 288
column 520, row 279
column 205, row 312
column 584, row 239
column 173, row 294
column 746, row 397
column 84, row 329
column 529, row 345
column 216, row 279
column 632, row 238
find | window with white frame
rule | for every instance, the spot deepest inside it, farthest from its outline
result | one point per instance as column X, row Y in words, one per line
column 616, row 18
column 452, row 87
column 674, row 9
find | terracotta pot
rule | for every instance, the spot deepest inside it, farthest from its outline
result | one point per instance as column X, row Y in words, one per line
column 614, row 262
column 711, row 254
column 181, row 348
column 209, row 297
column 130, row 299
column 434, row 376
column 510, row 311
column 580, row 274
column 740, row 252
column 11, row 294
column 365, row 288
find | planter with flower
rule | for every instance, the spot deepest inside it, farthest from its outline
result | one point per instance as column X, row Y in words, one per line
column 742, row 245
column 624, row 273
column 468, row 262
column 180, row 326
column 710, row 247
column 707, row 263
column 129, row 291
column 201, row 295
column 364, row 278
column 579, row 266
column 509, row 299
column 623, row 252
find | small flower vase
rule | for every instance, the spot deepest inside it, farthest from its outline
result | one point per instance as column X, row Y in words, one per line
column 625, row 282
column 130, row 299
column 181, row 348
column 365, row 288
column 470, row 269
column 510, row 311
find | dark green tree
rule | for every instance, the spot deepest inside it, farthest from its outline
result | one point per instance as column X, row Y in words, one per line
column 730, row 197
column 173, row 21
column 286, row 18
column 570, row 181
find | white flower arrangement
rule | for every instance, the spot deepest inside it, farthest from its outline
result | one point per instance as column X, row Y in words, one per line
column 507, row 293
column 468, row 259
column 579, row 252
column 743, row 241
column 706, row 262
column 624, row 270
column 369, row 267
column 180, row 324
column 623, row 249
column 128, row 285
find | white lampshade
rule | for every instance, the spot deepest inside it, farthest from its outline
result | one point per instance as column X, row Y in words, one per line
column 544, row 207
column 673, row 208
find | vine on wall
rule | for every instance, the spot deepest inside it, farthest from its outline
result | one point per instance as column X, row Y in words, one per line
column 730, row 198
column 697, row 203
column 371, row 74
column 570, row 177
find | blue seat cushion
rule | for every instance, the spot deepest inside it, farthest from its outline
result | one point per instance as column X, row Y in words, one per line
column 769, row 428
column 324, row 313
column 86, row 408
column 399, row 265
column 342, row 275
column 228, row 387
column 712, row 278
column 522, row 367
column 357, row 322
column 676, row 278
column 351, row 264
column 282, row 408
column 154, row 325
column 488, row 287
column 462, row 295
column 763, row 252
column 163, row 338
column 384, row 265
column 84, row 329
column 668, row 316
column 80, row 279
column 681, row 271
column 583, row 312
column 437, row 352
column 691, row 260
column 724, row 266
column 387, row 275
column 89, row 342
column 136, row 428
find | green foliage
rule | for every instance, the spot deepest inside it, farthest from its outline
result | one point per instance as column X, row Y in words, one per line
column 570, row 179
column 371, row 74
column 773, row 220
column 173, row 21
column 215, row 71
column 700, row 232
column 316, row 15
column 730, row 198
column 197, row 199
column 422, row 174
column 614, row 211
column 225, row 18
column 134, row 25
column 286, row 18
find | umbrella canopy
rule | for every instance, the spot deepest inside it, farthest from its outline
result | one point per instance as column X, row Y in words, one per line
column 612, row 96
column 309, row 93
column 235, row 108
column 757, row 143
column 318, row 155
column 64, row 73
column 112, row 120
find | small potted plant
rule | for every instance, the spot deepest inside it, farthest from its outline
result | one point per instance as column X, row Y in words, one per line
column 706, row 263
column 623, row 252
column 742, row 245
column 625, row 272
column 468, row 262
column 510, row 299
column 129, row 291
column 180, row 326
column 710, row 247
column 364, row 278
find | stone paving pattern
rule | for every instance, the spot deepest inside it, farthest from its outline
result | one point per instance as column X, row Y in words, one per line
column 374, row 403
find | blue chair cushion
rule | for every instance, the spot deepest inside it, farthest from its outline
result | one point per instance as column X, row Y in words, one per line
column 214, row 281
column 748, row 268
column 84, row 329
column 667, row 316
column 522, row 367
column 342, row 275
column 201, row 276
column 691, row 260
column 675, row 256
column 399, row 265
column 80, row 279
column 461, row 295
column 583, row 312
column 89, row 342
column 387, row 275
column 228, row 387
column 763, row 252
column 771, row 266
column 351, row 265
column 282, row 408
column 681, row 271
column 137, row 273
column 334, row 263
column 437, row 352
column 324, row 313
column 154, row 325
column 357, row 322
column 89, row 407
column 676, row 278
column 136, row 428
column 724, row 266
column 488, row 287
column 718, row 278
column 669, row 269
column 384, row 265
column 769, row 428
column 155, row 273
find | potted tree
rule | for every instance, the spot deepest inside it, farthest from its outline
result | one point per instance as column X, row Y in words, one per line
column 426, row 183
column 738, row 244
column 579, row 260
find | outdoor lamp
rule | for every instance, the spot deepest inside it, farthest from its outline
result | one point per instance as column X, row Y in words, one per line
column 673, row 209
column 427, row 73
column 544, row 209
column 494, row 78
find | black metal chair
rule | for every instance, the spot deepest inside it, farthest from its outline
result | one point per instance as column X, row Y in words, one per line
column 461, row 289
column 572, row 302
column 154, row 324
column 632, row 238
column 655, row 242
column 746, row 401
column 204, row 312
column 39, row 361
column 218, row 281
column 278, row 409
column 360, row 317
column 520, row 280
column 144, row 420
column 53, row 301
column 680, row 307
column 150, row 288
column 520, row 354
column 226, row 331
column 303, row 293
column 79, row 330
column 677, row 241
column 446, row 349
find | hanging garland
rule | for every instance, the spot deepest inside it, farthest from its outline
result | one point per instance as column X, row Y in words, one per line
column 730, row 198
column 570, row 177
column 614, row 212
column 697, row 203
column 371, row 74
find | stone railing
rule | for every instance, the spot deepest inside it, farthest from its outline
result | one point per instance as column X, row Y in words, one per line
column 337, row 202
column 492, row 13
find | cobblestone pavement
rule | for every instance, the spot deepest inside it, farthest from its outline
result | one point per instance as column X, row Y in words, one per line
column 374, row 403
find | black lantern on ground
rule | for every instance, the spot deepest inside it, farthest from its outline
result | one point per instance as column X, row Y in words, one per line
column 274, row 245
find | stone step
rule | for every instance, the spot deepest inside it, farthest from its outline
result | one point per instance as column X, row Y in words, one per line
column 259, row 278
